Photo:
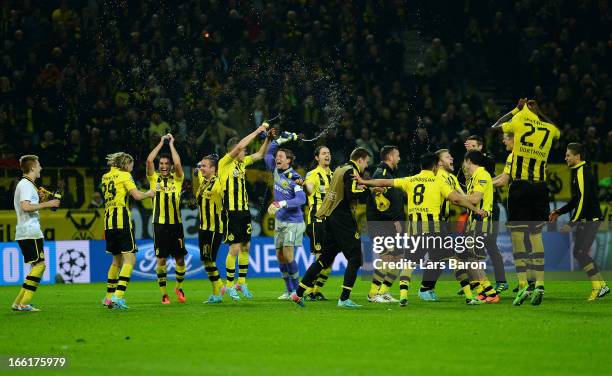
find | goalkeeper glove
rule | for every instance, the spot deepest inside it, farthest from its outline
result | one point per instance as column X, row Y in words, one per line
column 276, row 206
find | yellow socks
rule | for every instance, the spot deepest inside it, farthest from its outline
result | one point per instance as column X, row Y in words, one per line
column 537, row 249
column 124, row 279
column 180, row 275
column 112, row 280
column 162, row 278
column 213, row 276
column 230, row 269
column 31, row 283
column 519, row 252
column 377, row 279
column 243, row 266
column 390, row 277
column 464, row 280
column 487, row 289
column 321, row 280
column 405, row 283
column 596, row 278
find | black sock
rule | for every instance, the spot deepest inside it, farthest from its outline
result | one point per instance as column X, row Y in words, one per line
column 309, row 278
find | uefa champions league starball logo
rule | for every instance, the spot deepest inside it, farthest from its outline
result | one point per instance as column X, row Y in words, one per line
column 146, row 262
column 72, row 264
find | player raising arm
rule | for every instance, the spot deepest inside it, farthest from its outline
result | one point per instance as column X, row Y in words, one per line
column 426, row 192
column 503, row 179
column 168, row 237
column 232, row 177
column 528, row 207
column 287, row 210
column 454, row 197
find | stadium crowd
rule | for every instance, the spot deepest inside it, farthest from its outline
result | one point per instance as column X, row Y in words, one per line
column 79, row 80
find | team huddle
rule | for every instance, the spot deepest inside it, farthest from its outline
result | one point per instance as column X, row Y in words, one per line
column 417, row 205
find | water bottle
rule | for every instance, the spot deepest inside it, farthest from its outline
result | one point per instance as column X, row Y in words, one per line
column 57, row 195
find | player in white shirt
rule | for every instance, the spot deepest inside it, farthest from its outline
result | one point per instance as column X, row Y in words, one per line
column 28, row 233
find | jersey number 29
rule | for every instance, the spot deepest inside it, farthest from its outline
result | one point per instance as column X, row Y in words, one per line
column 109, row 191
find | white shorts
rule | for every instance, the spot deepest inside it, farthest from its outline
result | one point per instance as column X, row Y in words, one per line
column 288, row 234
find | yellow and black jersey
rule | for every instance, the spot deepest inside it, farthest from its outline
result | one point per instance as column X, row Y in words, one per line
column 481, row 182
column 425, row 191
column 209, row 198
column 319, row 178
column 451, row 180
column 585, row 200
column 116, row 185
column 508, row 165
column 167, row 200
column 533, row 140
column 232, row 176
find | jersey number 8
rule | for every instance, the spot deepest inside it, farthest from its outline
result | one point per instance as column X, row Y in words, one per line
column 417, row 194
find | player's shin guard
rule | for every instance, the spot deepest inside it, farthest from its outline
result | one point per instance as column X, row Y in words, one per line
column 230, row 269
column 162, row 276
column 124, row 279
column 309, row 277
column 537, row 248
column 112, row 280
column 213, row 276
column 321, row 280
column 377, row 278
column 243, row 266
column 31, row 282
column 180, row 275
column 520, row 256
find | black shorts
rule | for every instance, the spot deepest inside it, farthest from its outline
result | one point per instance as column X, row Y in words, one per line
column 386, row 229
column 340, row 235
column 169, row 240
column 585, row 235
column 238, row 227
column 315, row 232
column 120, row 241
column 32, row 250
column 527, row 204
column 209, row 242
column 431, row 244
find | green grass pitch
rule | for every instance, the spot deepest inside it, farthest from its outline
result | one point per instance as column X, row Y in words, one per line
column 566, row 335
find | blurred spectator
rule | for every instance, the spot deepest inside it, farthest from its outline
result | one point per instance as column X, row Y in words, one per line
column 371, row 145
column 74, row 151
column 96, row 201
column 74, row 74
column 50, row 151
